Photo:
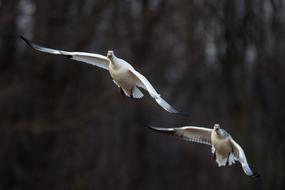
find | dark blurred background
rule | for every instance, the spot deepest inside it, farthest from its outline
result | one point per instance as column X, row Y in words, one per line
column 64, row 125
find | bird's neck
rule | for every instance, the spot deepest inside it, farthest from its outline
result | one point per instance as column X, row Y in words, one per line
column 115, row 63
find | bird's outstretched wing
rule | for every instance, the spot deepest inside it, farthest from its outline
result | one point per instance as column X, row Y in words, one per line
column 189, row 133
column 90, row 58
column 239, row 154
column 145, row 84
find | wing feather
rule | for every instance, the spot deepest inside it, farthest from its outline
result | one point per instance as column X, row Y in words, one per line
column 90, row 58
column 189, row 133
column 240, row 155
column 145, row 84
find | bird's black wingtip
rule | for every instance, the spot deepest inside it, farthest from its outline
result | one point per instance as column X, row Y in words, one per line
column 161, row 130
column 257, row 177
column 27, row 41
column 152, row 127
column 68, row 56
column 157, row 129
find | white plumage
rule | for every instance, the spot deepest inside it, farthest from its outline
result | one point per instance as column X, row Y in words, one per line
column 122, row 73
column 225, row 150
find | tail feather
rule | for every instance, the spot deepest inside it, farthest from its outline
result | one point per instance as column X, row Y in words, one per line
column 137, row 93
column 225, row 161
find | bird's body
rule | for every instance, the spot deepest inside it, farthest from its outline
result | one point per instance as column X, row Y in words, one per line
column 120, row 76
column 222, row 148
column 122, row 73
column 225, row 150
column 123, row 78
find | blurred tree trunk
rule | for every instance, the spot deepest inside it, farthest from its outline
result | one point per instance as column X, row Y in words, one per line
column 8, row 33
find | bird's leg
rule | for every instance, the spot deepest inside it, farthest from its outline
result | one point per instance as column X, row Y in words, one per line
column 214, row 155
column 232, row 152
column 228, row 159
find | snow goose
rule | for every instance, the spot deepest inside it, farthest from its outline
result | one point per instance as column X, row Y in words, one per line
column 123, row 74
column 224, row 149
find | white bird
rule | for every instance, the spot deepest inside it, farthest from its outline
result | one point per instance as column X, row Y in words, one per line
column 123, row 74
column 224, row 149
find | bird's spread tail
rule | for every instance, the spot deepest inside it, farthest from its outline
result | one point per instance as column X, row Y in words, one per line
column 224, row 161
column 136, row 93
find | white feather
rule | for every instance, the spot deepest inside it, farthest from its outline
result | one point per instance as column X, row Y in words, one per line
column 145, row 84
column 116, row 83
column 239, row 154
column 90, row 58
column 137, row 93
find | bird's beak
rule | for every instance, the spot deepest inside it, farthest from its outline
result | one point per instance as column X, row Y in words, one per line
column 110, row 54
column 216, row 127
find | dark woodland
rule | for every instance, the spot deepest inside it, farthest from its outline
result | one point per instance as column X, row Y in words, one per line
column 65, row 125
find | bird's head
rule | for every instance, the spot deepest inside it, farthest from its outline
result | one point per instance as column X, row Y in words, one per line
column 110, row 54
column 217, row 129
column 219, row 132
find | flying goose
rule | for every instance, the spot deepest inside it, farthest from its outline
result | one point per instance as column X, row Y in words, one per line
column 123, row 74
column 224, row 149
